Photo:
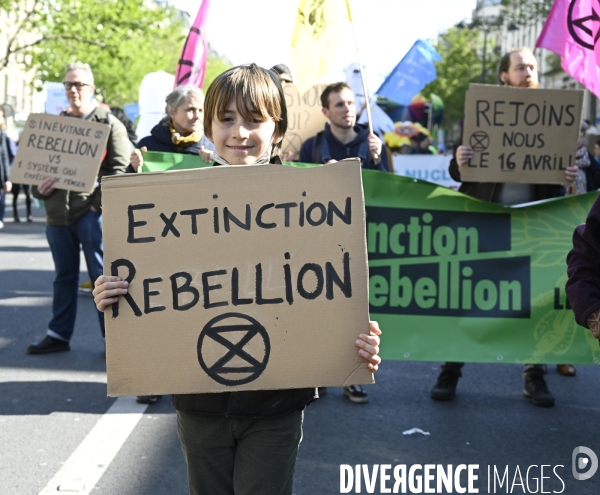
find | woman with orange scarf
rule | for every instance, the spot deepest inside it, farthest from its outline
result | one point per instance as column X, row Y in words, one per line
column 180, row 131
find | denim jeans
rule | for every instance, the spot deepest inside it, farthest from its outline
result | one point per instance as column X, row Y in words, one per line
column 64, row 244
column 229, row 456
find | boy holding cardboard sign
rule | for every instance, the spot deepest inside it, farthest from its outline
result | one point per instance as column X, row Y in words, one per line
column 242, row 442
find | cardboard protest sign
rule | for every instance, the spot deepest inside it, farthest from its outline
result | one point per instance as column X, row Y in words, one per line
column 241, row 278
column 305, row 117
column 519, row 134
column 69, row 150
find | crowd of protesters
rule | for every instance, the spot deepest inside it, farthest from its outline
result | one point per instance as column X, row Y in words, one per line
column 74, row 221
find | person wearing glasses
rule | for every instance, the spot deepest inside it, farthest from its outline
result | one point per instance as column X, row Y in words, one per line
column 74, row 219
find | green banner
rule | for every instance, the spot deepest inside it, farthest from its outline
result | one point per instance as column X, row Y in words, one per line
column 160, row 162
column 453, row 278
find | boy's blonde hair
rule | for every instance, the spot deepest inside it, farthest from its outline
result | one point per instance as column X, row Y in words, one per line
column 256, row 91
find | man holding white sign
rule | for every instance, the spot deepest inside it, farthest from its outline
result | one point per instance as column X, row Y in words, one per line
column 74, row 219
column 519, row 69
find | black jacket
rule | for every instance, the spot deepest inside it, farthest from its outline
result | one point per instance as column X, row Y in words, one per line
column 160, row 140
column 491, row 191
column 583, row 261
column 592, row 174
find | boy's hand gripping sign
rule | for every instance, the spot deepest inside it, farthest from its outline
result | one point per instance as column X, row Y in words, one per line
column 67, row 149
column 240, row 278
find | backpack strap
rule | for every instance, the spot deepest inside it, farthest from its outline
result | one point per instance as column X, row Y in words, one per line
column 363, row 153
column 316, row 148
column 325, row 153
column 103, row 115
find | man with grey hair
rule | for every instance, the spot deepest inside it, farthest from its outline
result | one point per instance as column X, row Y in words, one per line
column 74, row 219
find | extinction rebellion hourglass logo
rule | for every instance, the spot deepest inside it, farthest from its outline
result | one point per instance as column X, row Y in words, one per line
column 584, row 30
column 233, row 349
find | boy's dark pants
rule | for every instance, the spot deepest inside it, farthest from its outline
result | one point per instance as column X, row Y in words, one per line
column 227, row 456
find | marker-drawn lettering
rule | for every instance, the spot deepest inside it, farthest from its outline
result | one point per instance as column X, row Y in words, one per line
column 132, row 224
column 114, row 271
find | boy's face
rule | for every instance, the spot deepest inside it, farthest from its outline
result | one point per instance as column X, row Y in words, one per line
column 241, row 142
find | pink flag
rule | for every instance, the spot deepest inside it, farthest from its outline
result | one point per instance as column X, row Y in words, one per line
column 571, row 31
column 192, row 61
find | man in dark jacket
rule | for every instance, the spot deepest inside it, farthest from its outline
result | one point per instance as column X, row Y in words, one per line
column 518, row 68
column 74, row 219
column 342, row 137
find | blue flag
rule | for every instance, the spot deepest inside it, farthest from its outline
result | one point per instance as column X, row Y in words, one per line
column 412, row 74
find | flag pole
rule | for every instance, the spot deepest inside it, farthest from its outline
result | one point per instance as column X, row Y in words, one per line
column 362, row 76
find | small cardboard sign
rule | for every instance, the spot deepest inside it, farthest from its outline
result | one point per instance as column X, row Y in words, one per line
column 305, row 117
column 68, row 149
column 241, row 278
column 520, row 134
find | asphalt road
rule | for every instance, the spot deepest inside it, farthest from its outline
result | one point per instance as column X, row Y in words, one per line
column 50, row 405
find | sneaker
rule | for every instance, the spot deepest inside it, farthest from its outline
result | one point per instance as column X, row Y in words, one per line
column 86, row 287
column 356, row 394
column 48, row 344
column 445, row 387
column 1, row 224
column 147, row 399
column 536, row 390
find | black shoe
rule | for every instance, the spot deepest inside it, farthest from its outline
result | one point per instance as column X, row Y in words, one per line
column 29, row 218
column 48, row 344
column 356, row 394
column 322, row 390
column 16, row 219
column 445, row 387
column 536, row 390
column 147, row 399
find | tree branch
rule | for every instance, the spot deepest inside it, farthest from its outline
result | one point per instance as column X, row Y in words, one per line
column 9, row 50
column 79, row 39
